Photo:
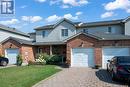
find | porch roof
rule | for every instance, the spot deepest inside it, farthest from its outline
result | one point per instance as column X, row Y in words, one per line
column 49, row 43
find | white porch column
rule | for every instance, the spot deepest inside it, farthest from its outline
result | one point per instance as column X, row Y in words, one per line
column 50, row 49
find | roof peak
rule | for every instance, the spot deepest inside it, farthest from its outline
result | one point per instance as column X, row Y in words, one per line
column 78, row 24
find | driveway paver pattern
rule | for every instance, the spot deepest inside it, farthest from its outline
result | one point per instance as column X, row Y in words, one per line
column 80, row 77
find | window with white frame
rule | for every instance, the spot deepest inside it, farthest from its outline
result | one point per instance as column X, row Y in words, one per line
column 109, row 29
column 44, row 33
column 64, row 32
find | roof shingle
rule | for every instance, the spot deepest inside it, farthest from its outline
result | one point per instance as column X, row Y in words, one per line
column 13, row 30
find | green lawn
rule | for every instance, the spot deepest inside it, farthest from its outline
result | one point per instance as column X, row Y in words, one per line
column 25, row 76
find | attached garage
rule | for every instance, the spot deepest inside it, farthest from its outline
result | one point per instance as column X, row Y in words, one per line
column 110, row 52
column 11, row 54
column 82, row 57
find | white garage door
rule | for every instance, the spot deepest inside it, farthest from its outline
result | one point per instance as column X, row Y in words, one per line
column 11, row 54
column 109, row 53
column 82, row 57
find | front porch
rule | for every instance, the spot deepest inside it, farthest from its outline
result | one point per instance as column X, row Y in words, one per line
column 59, row 50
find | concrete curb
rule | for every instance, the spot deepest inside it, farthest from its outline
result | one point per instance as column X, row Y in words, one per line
column 8, row 66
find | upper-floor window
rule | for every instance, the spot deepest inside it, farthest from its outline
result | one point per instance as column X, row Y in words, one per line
column 44, row 33
column 64, row 32
column 109, row 29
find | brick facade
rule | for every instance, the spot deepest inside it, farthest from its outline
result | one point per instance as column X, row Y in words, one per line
column 10, row 44
column 89, row 42
column 26, row 51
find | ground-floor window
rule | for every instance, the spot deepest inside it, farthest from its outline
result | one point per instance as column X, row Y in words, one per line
column 40, row 50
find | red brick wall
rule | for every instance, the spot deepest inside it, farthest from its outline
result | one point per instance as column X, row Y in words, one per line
column 27, row 53
column 91, row 42
column 10, row 44
column 98, row 55
column 22, row 48
column 77, row 42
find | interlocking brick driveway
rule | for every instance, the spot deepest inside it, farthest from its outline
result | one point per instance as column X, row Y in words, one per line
column 80, row 77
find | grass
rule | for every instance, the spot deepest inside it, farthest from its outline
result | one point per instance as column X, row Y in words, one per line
column 25, row 76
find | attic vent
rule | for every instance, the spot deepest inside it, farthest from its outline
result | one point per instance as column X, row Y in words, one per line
column 80, row 24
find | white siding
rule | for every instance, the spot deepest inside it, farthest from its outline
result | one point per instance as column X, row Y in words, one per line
column 116, row 29
column 127, row 28
column 55, row 34
column 4, row 35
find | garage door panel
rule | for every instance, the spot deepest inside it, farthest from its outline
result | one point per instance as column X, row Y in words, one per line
column 11, row 54
column 81, row 57
column 109, row 53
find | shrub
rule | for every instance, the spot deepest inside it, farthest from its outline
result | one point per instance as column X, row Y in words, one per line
column 42, row 58
column 54, row 59
column 31, row 63
column 19, row 60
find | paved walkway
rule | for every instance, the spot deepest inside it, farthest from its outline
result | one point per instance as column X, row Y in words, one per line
column 80, row 77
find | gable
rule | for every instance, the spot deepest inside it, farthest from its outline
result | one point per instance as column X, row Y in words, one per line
column 65, row 25
column 61, row 21
column 10, row 43
column 82, row 39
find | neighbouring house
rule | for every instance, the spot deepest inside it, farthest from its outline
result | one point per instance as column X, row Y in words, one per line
column 14, row 42
column 81, row 44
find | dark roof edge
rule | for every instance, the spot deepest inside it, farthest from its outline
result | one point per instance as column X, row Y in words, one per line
column 8, row 39
column 5, row 28
column 90, row 35
column 13, row 38
column 83, row 24
column 56, row 24
column 18, row 33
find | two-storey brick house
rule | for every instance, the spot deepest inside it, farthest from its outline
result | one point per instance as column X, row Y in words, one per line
column 83, row 44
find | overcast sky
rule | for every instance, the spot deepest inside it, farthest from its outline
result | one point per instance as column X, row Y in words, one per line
column 30, row 14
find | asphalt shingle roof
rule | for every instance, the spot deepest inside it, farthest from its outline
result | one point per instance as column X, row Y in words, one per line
column 113, row 37
column 88, row 24
column 13, row 30
column 48, row 43
column 102, row 36
column 21, row 41
column 52, row 26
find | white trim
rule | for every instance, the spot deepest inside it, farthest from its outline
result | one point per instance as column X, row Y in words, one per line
column 50, row 49
column 71, row 60
column 6, row 54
